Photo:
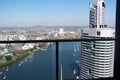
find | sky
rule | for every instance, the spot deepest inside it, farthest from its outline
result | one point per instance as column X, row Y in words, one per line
column 51, row 12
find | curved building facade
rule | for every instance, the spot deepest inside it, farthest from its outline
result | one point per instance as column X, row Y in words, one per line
column 97, row 57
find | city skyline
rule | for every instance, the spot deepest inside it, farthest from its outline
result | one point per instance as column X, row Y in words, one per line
column 50, row 13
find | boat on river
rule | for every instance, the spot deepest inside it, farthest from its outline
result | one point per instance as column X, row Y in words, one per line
column 4, row 77
column 77, row 77
column 7, row 68
column 1, row 73
column 20, row 63
column 76, row 73
column 75, row 49
column 25, row 60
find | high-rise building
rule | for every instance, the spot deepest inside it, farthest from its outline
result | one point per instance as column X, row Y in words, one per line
column 61, row 31
column 97, row 57
column 97, row 14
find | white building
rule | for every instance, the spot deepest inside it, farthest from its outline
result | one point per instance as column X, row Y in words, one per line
column 97, row 14
column 97, row 57
column 61, row 31
column 22, row 37
column 28, row 46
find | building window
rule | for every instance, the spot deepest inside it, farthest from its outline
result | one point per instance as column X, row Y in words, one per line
column 92, row 54
column 98, row 33
column 89, row 71
column 103, row 4
column 93, row 45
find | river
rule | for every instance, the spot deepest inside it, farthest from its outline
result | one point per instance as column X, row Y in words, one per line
column 41, row 65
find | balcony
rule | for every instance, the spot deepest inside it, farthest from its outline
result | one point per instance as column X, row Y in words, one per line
column 56, row 71
column 59, row 52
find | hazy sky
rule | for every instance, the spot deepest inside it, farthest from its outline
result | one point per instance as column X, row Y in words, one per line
column 50, row 12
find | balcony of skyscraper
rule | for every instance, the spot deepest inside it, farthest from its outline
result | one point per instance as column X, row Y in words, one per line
column 64, row 52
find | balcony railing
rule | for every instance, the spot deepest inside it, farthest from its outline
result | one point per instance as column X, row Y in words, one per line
column 117, row 47
column 57, row 48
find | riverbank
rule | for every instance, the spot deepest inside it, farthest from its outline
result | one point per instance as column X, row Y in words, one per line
column 18, row 55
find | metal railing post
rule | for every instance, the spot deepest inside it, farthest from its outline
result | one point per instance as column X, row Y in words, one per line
column 117, row 44
column 57, row 60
